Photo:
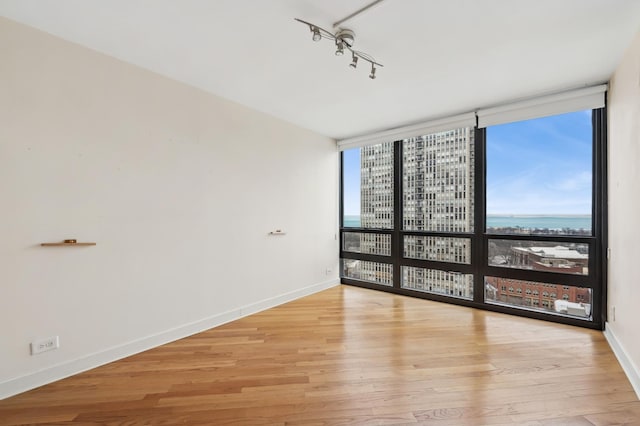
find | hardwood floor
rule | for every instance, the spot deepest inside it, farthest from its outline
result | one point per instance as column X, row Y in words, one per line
column 352, row 356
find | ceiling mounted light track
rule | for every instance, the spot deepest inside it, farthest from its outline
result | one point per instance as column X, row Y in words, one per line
column 343, row 39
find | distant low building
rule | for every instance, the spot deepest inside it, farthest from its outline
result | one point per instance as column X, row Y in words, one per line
column 550, row 297
column 553, row 259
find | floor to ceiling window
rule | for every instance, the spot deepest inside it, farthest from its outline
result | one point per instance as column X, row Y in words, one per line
column 539, row 184
column 368, row 178
column 506, row 215
column 437, row 212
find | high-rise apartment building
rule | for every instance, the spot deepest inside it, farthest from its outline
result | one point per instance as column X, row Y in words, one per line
column 376, row 209
column 437, row 181
column 437, row 196
column 376, row 186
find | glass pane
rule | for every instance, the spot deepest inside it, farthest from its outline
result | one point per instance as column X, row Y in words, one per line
column 360, row 242
column 442, row 249
column 438, row 282
column 549, row 298
column 351, row 188
column 539, row 176
column 438, row 176
column 363, row 270
column 368, row 186
column 567, row 258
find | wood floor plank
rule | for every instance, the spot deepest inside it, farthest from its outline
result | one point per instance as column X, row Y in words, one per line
column 352, row 356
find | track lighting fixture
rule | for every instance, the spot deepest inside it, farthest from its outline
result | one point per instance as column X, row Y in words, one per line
column 343, row 39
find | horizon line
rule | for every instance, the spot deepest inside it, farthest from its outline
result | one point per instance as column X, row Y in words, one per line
column 523, row 215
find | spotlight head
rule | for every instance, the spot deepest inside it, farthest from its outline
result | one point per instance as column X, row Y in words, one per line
column 316, row 34
column 339, row 48
column 372, row 76
column 354, row 62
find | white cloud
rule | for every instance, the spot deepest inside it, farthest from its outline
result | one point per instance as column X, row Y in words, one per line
column 530, row 193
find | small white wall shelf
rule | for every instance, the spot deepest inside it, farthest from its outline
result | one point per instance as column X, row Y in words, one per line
column 67, row 243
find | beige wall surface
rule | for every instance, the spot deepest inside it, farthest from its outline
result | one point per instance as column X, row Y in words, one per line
column 178, row 188
column 624, row 206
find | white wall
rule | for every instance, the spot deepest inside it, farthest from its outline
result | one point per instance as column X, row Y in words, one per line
column 623, row 328
column 177, row 187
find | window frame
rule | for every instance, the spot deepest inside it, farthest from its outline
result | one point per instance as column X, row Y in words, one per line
column 479, row 265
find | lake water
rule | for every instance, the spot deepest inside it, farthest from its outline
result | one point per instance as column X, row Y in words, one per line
column 514, row 221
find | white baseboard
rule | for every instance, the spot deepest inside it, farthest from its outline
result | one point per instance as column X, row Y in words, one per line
column 69, row 368
column 630, row 369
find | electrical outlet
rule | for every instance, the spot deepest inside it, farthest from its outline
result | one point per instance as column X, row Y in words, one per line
column 44, row 345
column 613, row 314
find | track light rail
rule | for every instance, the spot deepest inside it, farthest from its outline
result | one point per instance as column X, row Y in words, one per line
column 344, row 39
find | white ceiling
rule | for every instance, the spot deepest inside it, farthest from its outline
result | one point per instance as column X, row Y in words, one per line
column 441, row 56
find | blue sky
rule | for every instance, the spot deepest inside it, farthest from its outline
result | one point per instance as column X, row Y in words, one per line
column 540, row 166
column 351, row 179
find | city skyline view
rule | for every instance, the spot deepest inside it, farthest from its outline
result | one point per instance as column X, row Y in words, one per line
column 537, row 183
column 539, row 167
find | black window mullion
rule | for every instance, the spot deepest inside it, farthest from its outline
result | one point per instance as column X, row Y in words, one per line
column 440, row 265
column 536, row 237
column 365, row 256
column 368, row 230
column 479, row 244
column 439, row 234
column 396, row 236
column 341, row 201
column 599, row 213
